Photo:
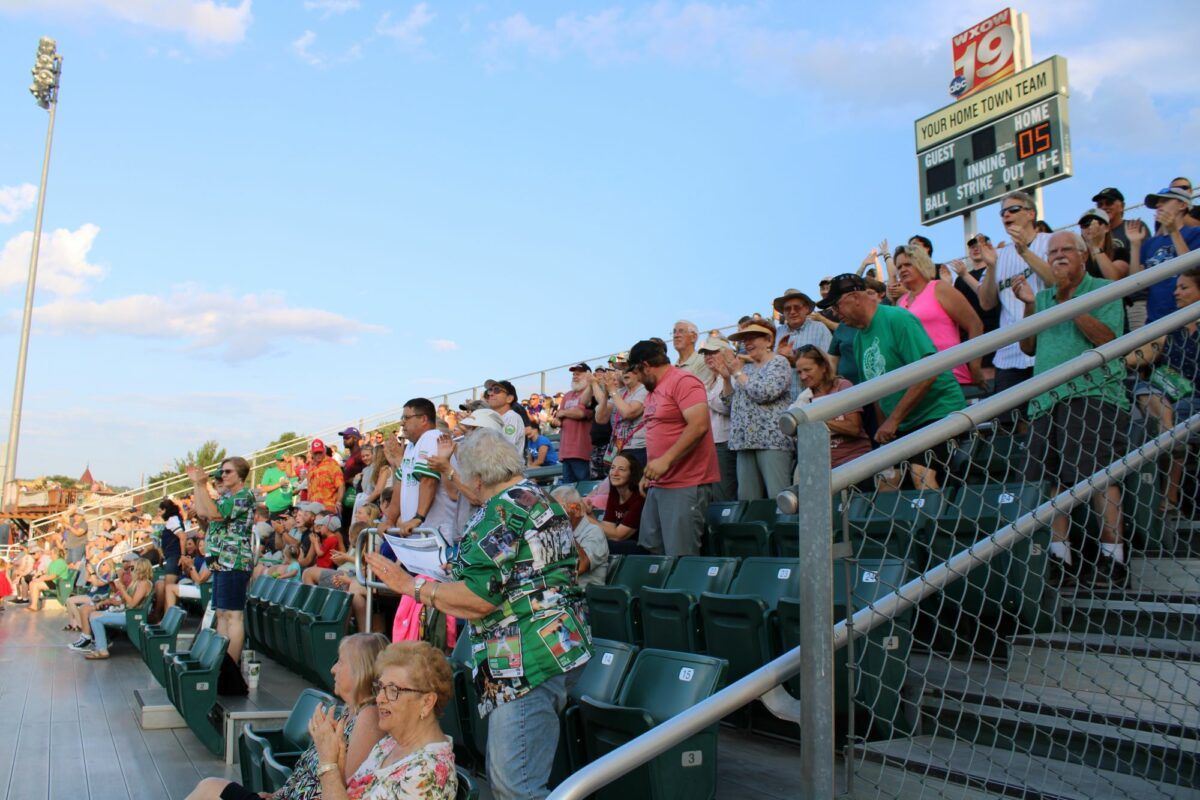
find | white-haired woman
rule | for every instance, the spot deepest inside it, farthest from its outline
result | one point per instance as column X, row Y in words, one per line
column 943, row 310
column 516, row 560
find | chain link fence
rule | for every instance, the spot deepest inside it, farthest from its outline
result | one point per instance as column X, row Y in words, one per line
column 1064, row 662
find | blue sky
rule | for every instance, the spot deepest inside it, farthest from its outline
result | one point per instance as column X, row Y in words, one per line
column 282, row 215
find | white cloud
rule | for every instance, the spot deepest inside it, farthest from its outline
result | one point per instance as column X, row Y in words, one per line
column 63, row 266
column 14, row 200
column 443, row 345
column 201, row 21
column 406, row 32
column 301, row 48
column 237, row 327
column 329, row 8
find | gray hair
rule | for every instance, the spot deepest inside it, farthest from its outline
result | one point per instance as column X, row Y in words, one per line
column 488, row 456
column 1025, row 198
column 1076, row 240
column 689, row 326
column 566, row 494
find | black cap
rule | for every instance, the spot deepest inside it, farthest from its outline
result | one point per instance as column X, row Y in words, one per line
column 580, row 367
column 1108, row 194
column 646, row 350
column 507, row 387
column 842, row 284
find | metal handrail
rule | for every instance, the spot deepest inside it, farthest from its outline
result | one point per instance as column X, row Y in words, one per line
column 834, row 405
column 711, row 710
column 114, row 556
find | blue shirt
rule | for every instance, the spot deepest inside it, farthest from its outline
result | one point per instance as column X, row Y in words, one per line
column 540, row 442
column 1160, row 298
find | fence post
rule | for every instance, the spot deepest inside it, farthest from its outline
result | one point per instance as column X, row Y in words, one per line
column 543, row 391
column 815, row 533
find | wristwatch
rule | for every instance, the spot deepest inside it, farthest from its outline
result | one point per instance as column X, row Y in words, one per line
column 323, row 768
column 418, row 584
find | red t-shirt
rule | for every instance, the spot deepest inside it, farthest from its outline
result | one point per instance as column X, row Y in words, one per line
column 576, row 438
column 329, row 544
column 676, row 391
column 628, row 513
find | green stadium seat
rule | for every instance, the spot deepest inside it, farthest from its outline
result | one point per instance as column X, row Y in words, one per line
column 613, row 609
column 169, row 655
column 458, row 717
column 745, row 539
column 785, row 529
column 720, row 513
column 660, row 685
column 294, row 621
column 259, row 596
column 275, row 774
column 740, row 626
column 1013, row 582
column 1142, row 501
column 285, row 742
column 886, row 524
column 467, row 790
column 196, row 692
column 613, row 562
column 272, row 619
column 65, row 588
column 321, row 637
column 134, row 619
column 158, row 639
column 601, row 679
column 670, row 615
column 585, row 487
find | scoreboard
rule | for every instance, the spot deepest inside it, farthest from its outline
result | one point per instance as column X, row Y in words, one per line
column 1025, row 149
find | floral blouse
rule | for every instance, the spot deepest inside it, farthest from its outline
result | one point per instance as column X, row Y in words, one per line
column 425, row 774
column 757, row 404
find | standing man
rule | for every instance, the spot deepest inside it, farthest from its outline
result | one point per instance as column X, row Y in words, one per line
column 1173, row 239
column 351, row 444
column 1112, row 202
column 890, row 337
column 419, row 500
column 574, row 418
column 501, row 396
column 277, row 486
column 75, row 537
column 681, row 459
column 799, row 327
column 683, row 338
column 325, row 483
column 228, row 544
column 1026, row 257
column 1078, row 428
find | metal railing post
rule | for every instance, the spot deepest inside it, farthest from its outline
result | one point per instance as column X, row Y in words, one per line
column 543, row 380
column 816, row 623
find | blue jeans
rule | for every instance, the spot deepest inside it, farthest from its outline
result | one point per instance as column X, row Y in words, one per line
column 114, row 618
column 576, row 469
column 522, row 740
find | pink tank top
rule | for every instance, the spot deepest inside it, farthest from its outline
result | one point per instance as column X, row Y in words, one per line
column 941, row 328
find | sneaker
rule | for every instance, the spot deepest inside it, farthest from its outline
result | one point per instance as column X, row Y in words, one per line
column 18, row 601
column 81, row 644
column 1059, row 573
column 1110, row 574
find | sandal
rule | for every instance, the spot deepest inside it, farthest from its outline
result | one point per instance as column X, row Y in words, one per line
column 73, row 628
column 96, row 655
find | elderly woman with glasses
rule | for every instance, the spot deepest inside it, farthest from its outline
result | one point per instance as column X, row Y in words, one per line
column 359, row 727
column 514, row 581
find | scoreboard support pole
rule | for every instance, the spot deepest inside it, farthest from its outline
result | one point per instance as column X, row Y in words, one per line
column 1039, row 202
column 970, row 226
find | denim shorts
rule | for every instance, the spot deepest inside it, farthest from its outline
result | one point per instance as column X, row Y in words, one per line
column 171, row 566
column 229, row 589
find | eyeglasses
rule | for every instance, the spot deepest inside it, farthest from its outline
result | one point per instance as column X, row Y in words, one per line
column 407, row 417
column 227, row 472
column 1014, row 209
column 391, row 691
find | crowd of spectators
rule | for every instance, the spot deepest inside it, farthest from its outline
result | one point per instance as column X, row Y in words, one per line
column 657, row 439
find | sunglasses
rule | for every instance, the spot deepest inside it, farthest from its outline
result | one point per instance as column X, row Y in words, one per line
column 977, row 241
column 1014, row 209
column 496, row 390
column 227, row 472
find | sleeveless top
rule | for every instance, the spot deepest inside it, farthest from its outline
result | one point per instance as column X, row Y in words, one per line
column 938, row 324
column 304, row 783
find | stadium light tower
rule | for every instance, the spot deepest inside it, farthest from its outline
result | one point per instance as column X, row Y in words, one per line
column 47, row 69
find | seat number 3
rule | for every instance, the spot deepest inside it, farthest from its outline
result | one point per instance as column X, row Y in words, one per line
column 692, row 758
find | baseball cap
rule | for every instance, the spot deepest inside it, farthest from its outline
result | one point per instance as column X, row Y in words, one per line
column 580, row 367
column 1169, row 193
column 483, row 418
column 317, row 446
column 280, row 456
column 1108, row 194
column 1098, row 213
column 506, row 386
column 333, row 522
column 645, row 350
column 312, row 507
column 714, row 344
column 350, row 432
column 471, row 405
column 619, row 358
column 842, row 284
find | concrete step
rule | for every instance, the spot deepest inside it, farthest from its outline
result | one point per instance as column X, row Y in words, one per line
column 1123, row 616
column 1066, row 737
column 932, row 766
column 1174, row 576
column 1159, row 670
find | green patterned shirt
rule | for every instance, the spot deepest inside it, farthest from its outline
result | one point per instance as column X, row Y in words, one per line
column 519, row 554
column 229, row 539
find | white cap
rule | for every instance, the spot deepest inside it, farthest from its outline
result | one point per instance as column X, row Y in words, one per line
column 483, row 418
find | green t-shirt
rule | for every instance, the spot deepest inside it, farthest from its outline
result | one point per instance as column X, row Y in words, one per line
column 1065, row 341
column 58, row 568
column 281, row 498
column 842, row 346
column 229, row 539
column 519, row 554
column 896, row 338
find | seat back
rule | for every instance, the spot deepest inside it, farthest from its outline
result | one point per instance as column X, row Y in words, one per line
column 721, row 513
column 602, row 676
column 134, row 617
column 335, row 607
column 275, row 591
column 768, row 578
column 214, row 652
column 466, row 786
column 634, row 572
column 759, row 511
column 291, row 590
column 295, row 730
column 275, row 775
column 887, row 523
column 585, row 487
column 259, row 588
column 665, row 683
column 314, row 600
column 697, row 574
column 172, row 621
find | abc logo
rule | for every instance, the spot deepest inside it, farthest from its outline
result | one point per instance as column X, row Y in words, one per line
column 958, row 85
